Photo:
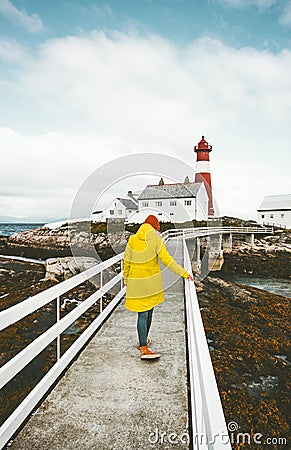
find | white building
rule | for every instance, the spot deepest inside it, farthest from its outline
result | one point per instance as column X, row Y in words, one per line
column 179, row 202
column 119, row 208
column 275, row 210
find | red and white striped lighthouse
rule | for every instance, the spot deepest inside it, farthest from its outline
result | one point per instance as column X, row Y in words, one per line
column 203, row 170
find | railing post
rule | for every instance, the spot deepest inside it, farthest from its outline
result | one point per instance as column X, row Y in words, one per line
column 121, row 270
column 250, row 238
column 101, row 298
column 58, row 307
column 227, row 243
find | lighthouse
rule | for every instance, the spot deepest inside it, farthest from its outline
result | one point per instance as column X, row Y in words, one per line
column 203, row 170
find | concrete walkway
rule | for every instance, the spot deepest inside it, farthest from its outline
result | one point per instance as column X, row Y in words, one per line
column 110, row 399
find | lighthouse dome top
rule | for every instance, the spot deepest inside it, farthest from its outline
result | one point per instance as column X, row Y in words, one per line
column 202, row 146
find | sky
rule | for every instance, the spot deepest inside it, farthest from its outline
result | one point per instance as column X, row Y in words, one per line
column 85, row 82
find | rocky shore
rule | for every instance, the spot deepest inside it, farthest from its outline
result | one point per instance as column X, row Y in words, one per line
column 270, row 256
column 79, row 238
column 248, row 332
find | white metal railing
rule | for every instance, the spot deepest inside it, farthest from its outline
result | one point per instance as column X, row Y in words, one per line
column 21, row 310
column 188, row 233
column 276, row 225
column 31, row 304
column 209, row 430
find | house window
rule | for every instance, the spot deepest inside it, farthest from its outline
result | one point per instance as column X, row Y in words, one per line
column 159, row 214
column 263, row 216
column 282, row 216
column 171, row 214
column 129, row 210
column 173, row 203
column 145, row 204
column 112, row 212
column 120, row 212
column 188, row 202
column 271, row 216
column 159, row 203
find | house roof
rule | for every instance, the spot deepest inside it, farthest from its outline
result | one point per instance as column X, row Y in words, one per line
column 128, row 203
column 276, row 203
column 177, row 190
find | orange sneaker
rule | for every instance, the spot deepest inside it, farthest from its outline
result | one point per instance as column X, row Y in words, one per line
column 146, row 353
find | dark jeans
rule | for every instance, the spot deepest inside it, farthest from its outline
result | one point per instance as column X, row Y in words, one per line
column 144, row 321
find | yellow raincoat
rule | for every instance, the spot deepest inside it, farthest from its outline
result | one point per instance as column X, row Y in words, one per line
column 141, row 270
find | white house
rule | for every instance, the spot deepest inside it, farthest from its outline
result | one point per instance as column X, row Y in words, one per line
column 178, row 202
column 275, row 210
column 121, row 207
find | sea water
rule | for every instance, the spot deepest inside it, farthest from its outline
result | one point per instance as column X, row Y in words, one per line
column 7, row 229
column 279, row 286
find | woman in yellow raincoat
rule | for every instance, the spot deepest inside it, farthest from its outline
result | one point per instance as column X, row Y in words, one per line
column 142, row 276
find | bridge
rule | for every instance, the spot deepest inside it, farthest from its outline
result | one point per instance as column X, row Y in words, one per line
column 106, row 397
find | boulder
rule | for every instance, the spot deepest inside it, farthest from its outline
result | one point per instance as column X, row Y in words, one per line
column 63, row 268
column 268, row 257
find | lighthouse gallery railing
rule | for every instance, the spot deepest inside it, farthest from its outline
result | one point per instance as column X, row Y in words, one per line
column 200, row 408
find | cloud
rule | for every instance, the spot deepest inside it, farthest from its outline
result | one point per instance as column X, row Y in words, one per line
column 242, row 4
column 285, row 18
column 31, row 22
column 285, row 7
column 43, row 172
column 102, row 96
column 10, row 50
column 103, row 10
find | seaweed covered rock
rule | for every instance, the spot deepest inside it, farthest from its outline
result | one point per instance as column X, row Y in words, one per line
column 247, row 331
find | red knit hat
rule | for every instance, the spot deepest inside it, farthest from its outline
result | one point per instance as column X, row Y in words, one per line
column 153, row 221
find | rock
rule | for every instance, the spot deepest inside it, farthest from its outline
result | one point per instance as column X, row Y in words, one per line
column 6, row 272
column 63, row 268
column 100, row 238
column 199, row 287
